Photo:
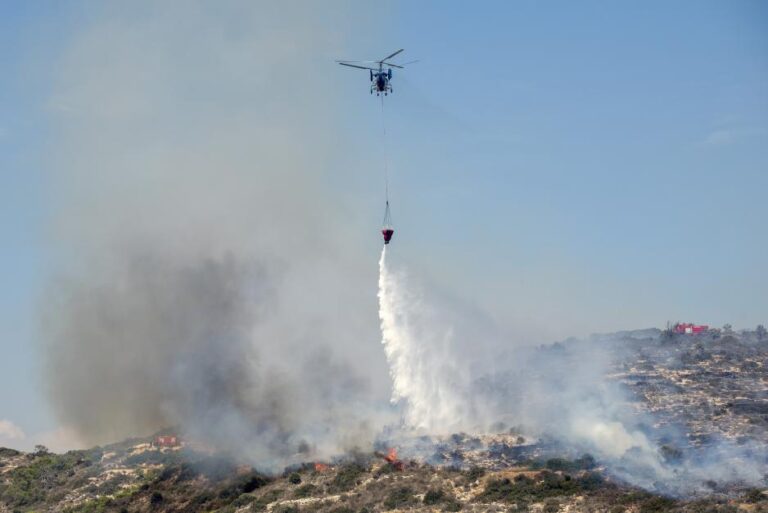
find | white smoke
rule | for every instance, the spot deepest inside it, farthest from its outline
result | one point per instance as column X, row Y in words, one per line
column 10, row 432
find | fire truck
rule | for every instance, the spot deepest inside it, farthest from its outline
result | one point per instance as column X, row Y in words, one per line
column 683, row 328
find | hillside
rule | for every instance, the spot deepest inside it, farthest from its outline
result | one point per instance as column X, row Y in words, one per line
column 711, row 388
column 135, row 477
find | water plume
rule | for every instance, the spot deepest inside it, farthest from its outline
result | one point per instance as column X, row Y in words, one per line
column 426, row 379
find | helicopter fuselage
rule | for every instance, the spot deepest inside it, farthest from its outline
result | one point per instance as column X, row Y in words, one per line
column 380, row 82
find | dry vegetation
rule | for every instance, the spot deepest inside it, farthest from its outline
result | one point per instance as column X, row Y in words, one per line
column 127, row 478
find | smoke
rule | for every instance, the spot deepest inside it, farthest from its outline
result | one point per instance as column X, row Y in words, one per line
column 10, row 432
column 450, row 378
column 207, row 276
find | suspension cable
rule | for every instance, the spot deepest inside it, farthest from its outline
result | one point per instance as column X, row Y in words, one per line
column 384, row 145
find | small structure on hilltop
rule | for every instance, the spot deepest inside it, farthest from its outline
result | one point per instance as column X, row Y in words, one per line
column 683, row 328
column 161, row 441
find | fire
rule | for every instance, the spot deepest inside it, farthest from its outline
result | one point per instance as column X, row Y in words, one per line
column 391, row 458
column 320, row 467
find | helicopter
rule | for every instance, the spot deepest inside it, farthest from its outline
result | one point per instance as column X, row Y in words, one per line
column 380, row 77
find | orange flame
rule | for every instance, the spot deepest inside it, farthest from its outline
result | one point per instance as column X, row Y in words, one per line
column 320, row 467
column 391, row 455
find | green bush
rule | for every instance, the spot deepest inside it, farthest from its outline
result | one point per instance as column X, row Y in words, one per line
column 549, row 485
column 287, row 509
column 342, row 509
column 93, row 506
column 156, row 498
column 399, row 497
column 347, row 477
column 433, row 497
column 30, row 484
column 452, row 505
column 657, row 505
column 439, row 496
column 243, row 500
column 474, row 473
column 754, row 495
column 5, row 452
column 307, row 490
column 586, row 462
column 268, row 498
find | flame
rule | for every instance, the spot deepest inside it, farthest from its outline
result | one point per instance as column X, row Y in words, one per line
column 320, row 467
column 391, row 455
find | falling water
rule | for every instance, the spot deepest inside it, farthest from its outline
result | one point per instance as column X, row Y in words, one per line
column 425, row 377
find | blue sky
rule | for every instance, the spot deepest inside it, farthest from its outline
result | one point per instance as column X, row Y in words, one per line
column 568, row 168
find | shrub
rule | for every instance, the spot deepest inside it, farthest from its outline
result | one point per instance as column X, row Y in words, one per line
column 399, row 497
column 347, row 477
column 244, row 484
column 586, row 462
column 262, row 502
column 243, row 500
column 306, row 490
column 550, row 485
column 5, row 452
column 433, row 497
column 294, row 478
column 656, row 505
column 252, row 482
column 156, row 498
column 475, row 473
column 754, row 495
column 287, row 509
column 671, row 454
column 30, row 484
column 452, row 505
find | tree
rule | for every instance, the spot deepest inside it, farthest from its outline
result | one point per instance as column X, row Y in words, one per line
column 727, row 329
column 761, row 332
column 41, row 450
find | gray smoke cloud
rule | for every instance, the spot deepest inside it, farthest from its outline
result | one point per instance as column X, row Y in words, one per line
column 565, row 392
column 208, row 276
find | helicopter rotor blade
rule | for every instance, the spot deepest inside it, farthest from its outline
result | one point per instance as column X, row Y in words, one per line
column 390, row 64
column 356, row 66
column 390, row 56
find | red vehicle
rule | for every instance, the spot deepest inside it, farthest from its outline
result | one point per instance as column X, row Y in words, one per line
column 689, row 329
column 166, row 441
